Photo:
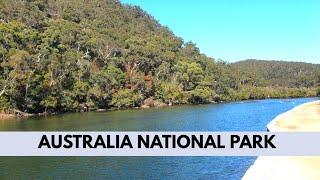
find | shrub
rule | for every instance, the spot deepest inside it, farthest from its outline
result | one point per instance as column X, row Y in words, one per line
column 125, row 98
column 201, row 95
column 167, row 91
column 4, row 104
column 318, row 91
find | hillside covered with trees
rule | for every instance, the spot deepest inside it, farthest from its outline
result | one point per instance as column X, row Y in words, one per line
column 58, row 55
column 281, row 73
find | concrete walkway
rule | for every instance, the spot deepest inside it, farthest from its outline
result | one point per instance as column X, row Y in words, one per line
column 305, row 117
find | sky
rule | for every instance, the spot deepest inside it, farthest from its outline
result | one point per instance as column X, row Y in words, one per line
column 235, row 30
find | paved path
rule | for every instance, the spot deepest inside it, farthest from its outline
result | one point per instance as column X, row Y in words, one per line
column 305, row 117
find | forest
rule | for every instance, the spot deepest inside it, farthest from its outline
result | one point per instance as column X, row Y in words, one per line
column 59, row 56
column 281, row 73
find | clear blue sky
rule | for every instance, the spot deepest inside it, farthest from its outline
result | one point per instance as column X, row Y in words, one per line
column 240, row 29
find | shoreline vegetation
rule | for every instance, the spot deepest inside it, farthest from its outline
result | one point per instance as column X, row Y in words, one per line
column 70, row 56
column 305, row 118
column 151, row 104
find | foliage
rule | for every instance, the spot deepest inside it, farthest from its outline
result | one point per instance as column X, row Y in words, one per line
column 278, row 73
column 125, row 98
column 167, row 91
column 318, row 91
column 57, row 55
column 201, row 95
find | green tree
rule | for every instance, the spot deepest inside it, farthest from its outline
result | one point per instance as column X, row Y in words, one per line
column 201, row 95
column 189, row 74
column 125, row 98
column 318, row 91
column 167, row 91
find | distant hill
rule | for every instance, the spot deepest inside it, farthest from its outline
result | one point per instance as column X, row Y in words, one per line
column 280, row 73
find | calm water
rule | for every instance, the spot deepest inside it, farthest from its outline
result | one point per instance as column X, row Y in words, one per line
column 239, row 116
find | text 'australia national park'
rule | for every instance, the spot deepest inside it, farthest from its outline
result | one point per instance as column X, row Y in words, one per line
column 84, row 141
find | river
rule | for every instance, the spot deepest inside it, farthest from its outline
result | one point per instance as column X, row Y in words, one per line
column 234, row 116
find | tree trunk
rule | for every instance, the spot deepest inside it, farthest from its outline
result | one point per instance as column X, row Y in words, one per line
column 4, row 87
column 3, row 90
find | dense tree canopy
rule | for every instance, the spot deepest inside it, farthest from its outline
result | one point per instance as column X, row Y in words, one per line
column 56, row 55
column 281, row 73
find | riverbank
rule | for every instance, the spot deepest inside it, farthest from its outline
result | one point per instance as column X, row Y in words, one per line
column 305, row 117
column 146, row 105
column 5, row 116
